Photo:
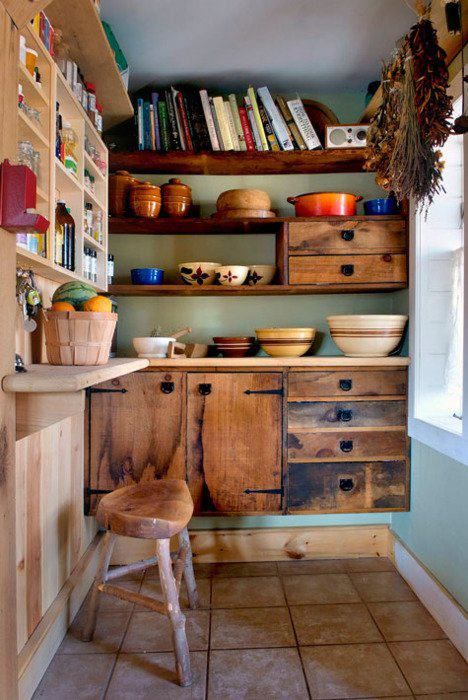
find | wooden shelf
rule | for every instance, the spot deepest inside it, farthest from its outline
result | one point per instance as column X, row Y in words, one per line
column 91, row 166
column 145, row 290
column 28, row 82
column 65, row 179
column 31, row 131
column 332, row 160
column 92, row 242
column 84, row 34
column 90, row 196
column 46, row 268
column 41, row 195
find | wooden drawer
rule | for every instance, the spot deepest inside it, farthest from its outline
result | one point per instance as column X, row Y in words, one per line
column 347, row 444
column 347, row 269
column 348, row 487
column 347, row 383
column 347, row 236
column 346, row 414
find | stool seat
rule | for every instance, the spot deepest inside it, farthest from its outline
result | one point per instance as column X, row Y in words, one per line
column 150, row 510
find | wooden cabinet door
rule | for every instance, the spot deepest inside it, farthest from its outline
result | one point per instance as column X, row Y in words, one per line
column 234, row 441
column 136, row 431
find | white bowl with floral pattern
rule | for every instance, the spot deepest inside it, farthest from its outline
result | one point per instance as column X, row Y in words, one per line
column 261, row 274
column 231, row 275
column 198, row 272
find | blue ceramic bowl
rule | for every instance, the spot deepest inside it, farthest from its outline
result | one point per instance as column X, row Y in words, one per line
column 382, row 206
column 147, row 275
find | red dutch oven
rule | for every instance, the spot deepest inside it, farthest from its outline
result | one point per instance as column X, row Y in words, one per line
column 325, row 204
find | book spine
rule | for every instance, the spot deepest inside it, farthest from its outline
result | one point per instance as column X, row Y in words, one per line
column 189, row 115
column 154, row 100
column 178, row 119
column 141, row 144
column 304, row 124
column 267, row 127
column 232, row 126
column 205, row 102
column 277, row 121
column 237, row 122
column 164, row 126
column 223, row 123
column 146, row 126
column 196, row 116
column 295, row 136
column 249, row 140
column 184, row 121
column 152, row 132
column 216, row 124
column 258, row 119
column 253, row 123
column 174, row 133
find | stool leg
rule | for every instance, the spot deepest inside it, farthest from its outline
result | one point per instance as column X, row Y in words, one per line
column 104, row 561
column 171, row 599
column 189, row 576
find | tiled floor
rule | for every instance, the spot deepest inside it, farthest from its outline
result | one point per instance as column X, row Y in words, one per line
column 322, row 629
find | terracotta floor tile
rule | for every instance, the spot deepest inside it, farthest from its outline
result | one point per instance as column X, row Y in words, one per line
column 255, row 592
column 149, row 631
column 152, row 677
column 442, row 696
column 368, row 564
column 384, row 586
column 76, row 677
column 320, row 588
column 255, row 674
column 352, row 671
column 109, row 603
column 334, row 624
column 243, row 568
column 405, row 621
column 432, row 666
column 110, row 630
column 244, row 628
column 152, row 587
column 312, row 566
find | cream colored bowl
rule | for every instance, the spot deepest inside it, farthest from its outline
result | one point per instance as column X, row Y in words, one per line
column 285, row 342
column 261, row 274
column 364, row 335
column 232, row 275
column 198, row 272
column 152, row 347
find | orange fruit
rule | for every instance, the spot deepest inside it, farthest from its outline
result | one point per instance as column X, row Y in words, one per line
column 62, row 306
column 98, row 303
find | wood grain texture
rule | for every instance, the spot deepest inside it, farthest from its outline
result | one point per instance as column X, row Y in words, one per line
column 192, row 227
column 346, row 414
column 334, row 160
column 37, row 411
column 323, row 287
column 22, row 11
column 348, row 487
column 300, row 364
column 234, row 442
column 347, row 445
column 136, row 436
column 330, row 269
column 349, row 383
column 331, row 236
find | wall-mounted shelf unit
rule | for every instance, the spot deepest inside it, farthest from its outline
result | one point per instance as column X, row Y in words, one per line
column 183, row 290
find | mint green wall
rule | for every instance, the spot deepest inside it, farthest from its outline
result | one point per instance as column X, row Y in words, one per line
column 436, row 528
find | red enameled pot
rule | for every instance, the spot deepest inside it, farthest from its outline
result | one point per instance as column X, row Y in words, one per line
column 325, row 204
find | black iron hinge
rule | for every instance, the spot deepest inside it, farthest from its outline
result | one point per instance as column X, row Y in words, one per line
column 279, row 491
column 92, row 390
column 92, row 492
column 279, row 392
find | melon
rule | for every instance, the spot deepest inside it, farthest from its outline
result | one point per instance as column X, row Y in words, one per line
column 75, row 293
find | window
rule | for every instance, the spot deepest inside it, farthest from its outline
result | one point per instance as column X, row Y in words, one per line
column 439, row 305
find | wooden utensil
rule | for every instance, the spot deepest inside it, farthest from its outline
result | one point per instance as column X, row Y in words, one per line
column 180, row 333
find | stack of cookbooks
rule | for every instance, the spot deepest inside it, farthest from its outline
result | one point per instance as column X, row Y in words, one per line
column 191, row 120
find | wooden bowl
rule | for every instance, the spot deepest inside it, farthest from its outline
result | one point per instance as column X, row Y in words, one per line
column 243, row 199
column 244, row 214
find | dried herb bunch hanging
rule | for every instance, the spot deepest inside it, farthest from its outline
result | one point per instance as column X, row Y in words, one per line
column 413, row 119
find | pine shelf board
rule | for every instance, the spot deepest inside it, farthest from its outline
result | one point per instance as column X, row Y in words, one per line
column 83, row 32
column 30, row 131
column 145, row 290
column 91, row 166
column 64, row 179
column 92, row 242
column 90, row 196
column 41, row 195
column 48, row 269
column 332, row 160
column 78, row 107
column 28, row 82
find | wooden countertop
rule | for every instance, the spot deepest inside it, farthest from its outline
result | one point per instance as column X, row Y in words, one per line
column 313, row 361
column 53, row 379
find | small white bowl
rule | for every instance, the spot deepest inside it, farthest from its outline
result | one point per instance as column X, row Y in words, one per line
column 198, row 272
column 152, row 347
column 261, row 274
column 361, row 335
column 232, row 275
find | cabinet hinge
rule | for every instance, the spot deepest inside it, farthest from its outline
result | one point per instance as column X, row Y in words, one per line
column 92, row 390
column 278, row 392
column 279, row 491
column 92, row 492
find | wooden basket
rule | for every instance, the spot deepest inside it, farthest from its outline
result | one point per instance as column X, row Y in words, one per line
column 78, row 337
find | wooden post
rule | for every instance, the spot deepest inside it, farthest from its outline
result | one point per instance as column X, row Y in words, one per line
column 100, row 578
column 189, row 576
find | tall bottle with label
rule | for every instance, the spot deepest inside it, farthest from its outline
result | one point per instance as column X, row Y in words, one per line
column 64, row 251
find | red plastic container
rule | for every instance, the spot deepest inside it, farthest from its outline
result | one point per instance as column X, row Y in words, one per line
column 325, row 204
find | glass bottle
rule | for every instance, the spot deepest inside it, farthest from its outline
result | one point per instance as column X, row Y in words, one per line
column 70, row 141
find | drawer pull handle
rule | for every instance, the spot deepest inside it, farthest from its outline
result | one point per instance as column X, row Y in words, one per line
column 347, row 234
column 346, row 384
column 204, row 389
column 347, row 270
column 344, row 415
column 346, row 484
column 387, row 257
column 167, row 387
column 346, row 445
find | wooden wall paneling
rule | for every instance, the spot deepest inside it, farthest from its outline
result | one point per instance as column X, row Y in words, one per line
column 8, row 107
column 139, row 434
column 234, row 441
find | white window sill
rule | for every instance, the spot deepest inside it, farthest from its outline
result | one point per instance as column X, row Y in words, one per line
column 441, row 439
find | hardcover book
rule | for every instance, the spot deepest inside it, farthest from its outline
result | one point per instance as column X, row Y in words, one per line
column 223, row 123
column 232, row 127
column 258, row 119
column 249, row 139
column 237, row 122
column 174, row 132
column 210, row 125
column 216, row 123
column 304, row 124
column 253, row 123
column 154, row 100
column 164, row 127
column 277, row 121
column 178, row 118
column 183, row 118
column 197, row 123
column 296, row 138
column 267, row 127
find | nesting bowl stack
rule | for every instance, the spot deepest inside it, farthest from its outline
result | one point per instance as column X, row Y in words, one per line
column 78, row 337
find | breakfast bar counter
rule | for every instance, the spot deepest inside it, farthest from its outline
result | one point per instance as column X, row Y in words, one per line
column 313, row 361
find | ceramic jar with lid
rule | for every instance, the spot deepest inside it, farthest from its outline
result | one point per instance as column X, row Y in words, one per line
column 176, row 198
column 145, row 199
column 119, row 191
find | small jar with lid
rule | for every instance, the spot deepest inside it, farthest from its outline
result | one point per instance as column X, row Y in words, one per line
column 176, row 198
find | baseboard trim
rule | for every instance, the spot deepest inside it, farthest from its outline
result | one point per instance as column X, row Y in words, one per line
column 433, row 595
column 40, row 648
column 270, row 544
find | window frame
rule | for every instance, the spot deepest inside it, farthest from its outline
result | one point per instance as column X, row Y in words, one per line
column 436, row 436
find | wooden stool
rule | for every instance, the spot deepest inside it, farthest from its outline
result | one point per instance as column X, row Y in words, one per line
column 152, row 510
